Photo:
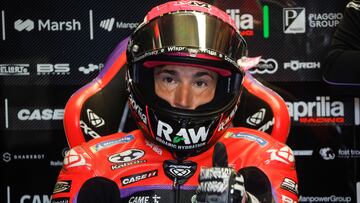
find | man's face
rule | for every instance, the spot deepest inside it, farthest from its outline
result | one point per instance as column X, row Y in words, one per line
column 185, row 87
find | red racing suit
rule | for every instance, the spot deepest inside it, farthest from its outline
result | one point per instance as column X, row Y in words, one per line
column 128, row 168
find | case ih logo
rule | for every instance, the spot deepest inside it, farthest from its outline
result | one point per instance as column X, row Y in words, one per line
column 323, row 110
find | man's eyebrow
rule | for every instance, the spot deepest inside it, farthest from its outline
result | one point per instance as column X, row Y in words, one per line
column 200, row 74
column 171, row 72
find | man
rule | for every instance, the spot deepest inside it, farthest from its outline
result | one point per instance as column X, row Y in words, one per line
column 342, row 59
column 184, row 88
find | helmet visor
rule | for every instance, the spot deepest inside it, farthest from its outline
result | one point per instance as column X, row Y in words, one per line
column 188, row 31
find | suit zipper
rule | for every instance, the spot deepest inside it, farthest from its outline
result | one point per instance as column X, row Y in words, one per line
column 176, row 186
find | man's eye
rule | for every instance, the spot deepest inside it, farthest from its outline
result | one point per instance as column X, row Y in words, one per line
column 201, row 83
column 168, row 79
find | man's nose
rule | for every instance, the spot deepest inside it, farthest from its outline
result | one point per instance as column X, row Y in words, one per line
column 184, row 97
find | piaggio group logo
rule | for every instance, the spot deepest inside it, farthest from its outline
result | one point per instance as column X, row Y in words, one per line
column 294, row 20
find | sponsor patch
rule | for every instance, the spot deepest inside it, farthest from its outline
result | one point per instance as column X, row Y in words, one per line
column 290, row 185
column 102, row 145
column 138, row 177
column 62, row 186
column 284, row 155
column 250, row 137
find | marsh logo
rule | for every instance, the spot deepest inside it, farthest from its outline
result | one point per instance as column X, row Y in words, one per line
column 21, row 25
column 47, row 25
column 294, row 20
column 244, row 22
column 265, row 66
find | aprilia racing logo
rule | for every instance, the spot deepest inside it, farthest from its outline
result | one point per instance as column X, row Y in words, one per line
column 244, row 22
column 323, row 110
column 137, row 108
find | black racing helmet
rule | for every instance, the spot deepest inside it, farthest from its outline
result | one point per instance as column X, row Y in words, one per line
column 189, row 33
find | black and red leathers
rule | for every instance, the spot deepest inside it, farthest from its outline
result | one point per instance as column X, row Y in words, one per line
column 128, row 168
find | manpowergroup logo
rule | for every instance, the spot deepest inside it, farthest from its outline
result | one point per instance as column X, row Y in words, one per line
column 46, row 25
column 321, row 111
column 110, row 24
column 331, row 198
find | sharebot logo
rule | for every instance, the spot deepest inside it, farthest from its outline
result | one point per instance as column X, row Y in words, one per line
column 47, row 25
column 323, row 110
column 244, row 22
column 294, row 20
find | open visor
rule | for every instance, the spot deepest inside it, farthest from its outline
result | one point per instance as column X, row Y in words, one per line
column 190, row 32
